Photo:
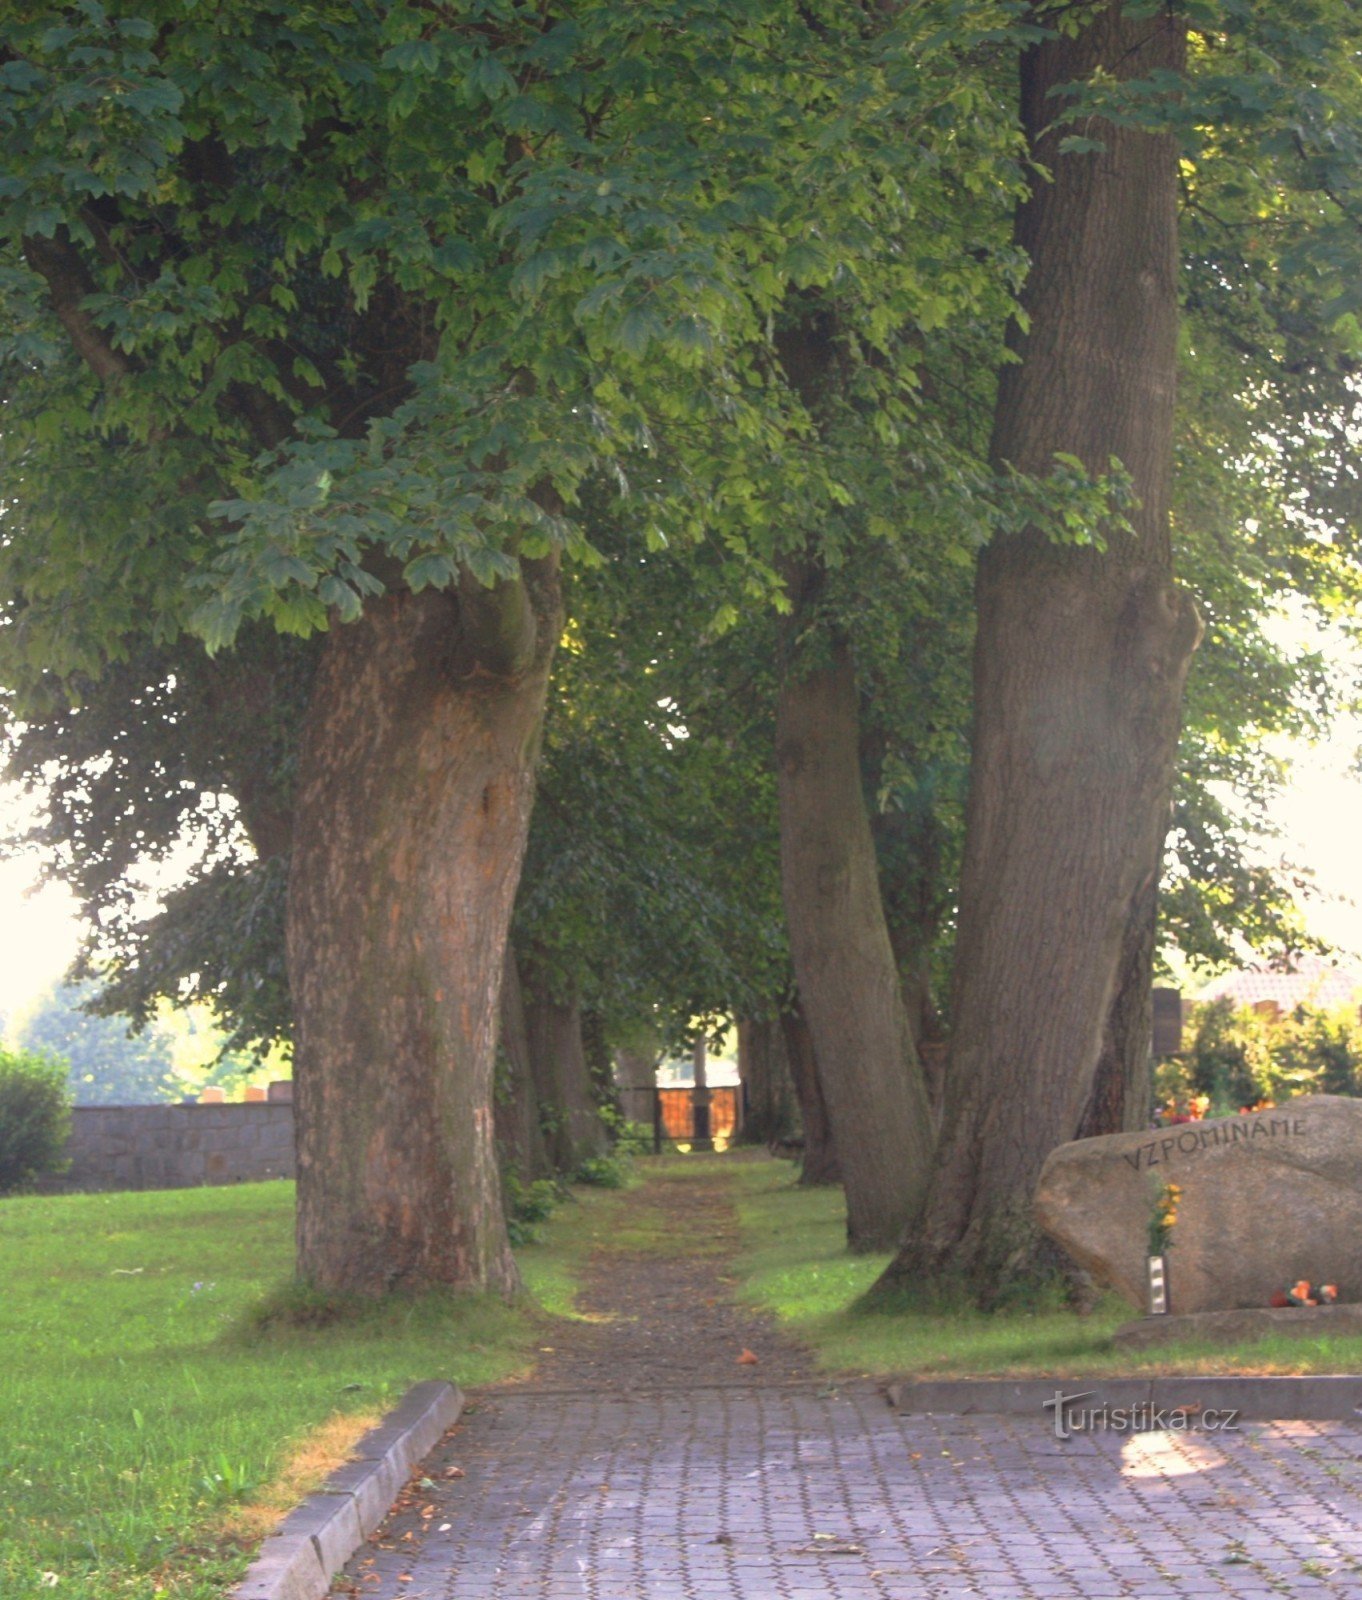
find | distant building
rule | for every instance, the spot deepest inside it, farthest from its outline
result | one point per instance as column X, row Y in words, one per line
column 1313, row 981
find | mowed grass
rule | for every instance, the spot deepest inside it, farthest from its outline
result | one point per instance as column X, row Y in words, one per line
column 143, row 1409
column 794, row 1264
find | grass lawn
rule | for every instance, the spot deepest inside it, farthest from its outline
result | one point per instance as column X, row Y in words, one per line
column 149, row 1430
column 794, row 1264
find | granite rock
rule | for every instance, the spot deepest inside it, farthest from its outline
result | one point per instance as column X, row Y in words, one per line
column 1267, row 1198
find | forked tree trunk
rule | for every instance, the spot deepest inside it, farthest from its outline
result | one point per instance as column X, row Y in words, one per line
column 519, row 1135
column 414, row 795
column 768, row 1094
column 1079, row 667
column 820, row 1166
column 1122, row 1094
column 848, row 981
column 571, row 1117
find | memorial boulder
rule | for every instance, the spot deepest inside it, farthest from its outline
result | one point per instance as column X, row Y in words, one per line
column 1266, row 1198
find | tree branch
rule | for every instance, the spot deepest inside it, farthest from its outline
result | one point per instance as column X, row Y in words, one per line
column 57, row 262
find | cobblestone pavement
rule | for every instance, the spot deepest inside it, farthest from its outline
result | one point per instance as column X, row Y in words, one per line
column 792, row 1493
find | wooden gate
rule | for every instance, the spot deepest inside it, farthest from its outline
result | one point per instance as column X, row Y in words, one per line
column 676, row 1117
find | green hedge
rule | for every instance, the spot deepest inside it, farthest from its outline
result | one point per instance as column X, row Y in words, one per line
column 35, row 1118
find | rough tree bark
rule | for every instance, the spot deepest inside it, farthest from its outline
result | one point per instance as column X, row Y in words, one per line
column 414, row 796
column 1122, row 1095
column 769, row 1105
column 820, row 1165
column 635, row 1082
column 1079, row 666
column 848, row 980
column 519, row 1134
column 600, row 1064
column 573, row 1130
column 915, row 898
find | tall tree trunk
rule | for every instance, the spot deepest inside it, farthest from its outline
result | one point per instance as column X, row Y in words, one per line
column 820, row 1165
column 519, row 1133
column 1122, row 1094
column 573, row 1130
column 599, row 1062
column 848, row 981
column 914, row 891
column 636, row 1071
column 635, row 1083
column 414, row 796
column 1079, row 666
column 769, row 1109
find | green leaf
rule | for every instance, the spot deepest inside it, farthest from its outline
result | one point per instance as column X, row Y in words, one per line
column 430, row 571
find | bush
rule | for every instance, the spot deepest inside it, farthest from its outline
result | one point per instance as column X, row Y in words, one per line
column 1239, row 1057
column 603, row 1172
column 527, row 1204
column 1232, row 1058
column 35, row 1118
column 630, row 1138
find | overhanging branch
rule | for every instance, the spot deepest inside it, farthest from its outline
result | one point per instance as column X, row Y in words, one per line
column 57, row 262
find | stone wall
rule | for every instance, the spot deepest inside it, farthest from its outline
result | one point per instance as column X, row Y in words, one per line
column 177, row 1147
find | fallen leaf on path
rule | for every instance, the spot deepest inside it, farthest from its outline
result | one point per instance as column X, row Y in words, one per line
column 747, row 1359
column 452, row 1472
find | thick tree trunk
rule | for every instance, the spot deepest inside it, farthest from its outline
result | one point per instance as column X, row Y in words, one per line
column 915, row 894
column 599, row 1064
column 519, row 1135
column 1079, row 666
column 820, row 1165
column 768, row 1094
column 636, row 1072
column 414, row 795
column 848, row 981
column 573, row 1130
column 1122, row 1094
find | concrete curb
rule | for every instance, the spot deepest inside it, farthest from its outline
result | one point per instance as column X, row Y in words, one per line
column 1234, row 1327
column 1266, row 1399
column 315, row 1541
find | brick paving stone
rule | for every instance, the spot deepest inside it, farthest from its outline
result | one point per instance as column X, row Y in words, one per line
column 789, row 1493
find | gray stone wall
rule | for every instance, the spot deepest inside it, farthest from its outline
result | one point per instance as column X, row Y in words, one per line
column 177, row 1147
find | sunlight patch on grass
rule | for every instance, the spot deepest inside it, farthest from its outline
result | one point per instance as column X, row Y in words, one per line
column 305, row 1469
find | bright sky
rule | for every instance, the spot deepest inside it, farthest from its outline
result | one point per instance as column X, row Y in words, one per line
column 38, row 932
column 1321, row 819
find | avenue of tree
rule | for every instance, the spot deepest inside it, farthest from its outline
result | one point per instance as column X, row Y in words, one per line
column 601, row 520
